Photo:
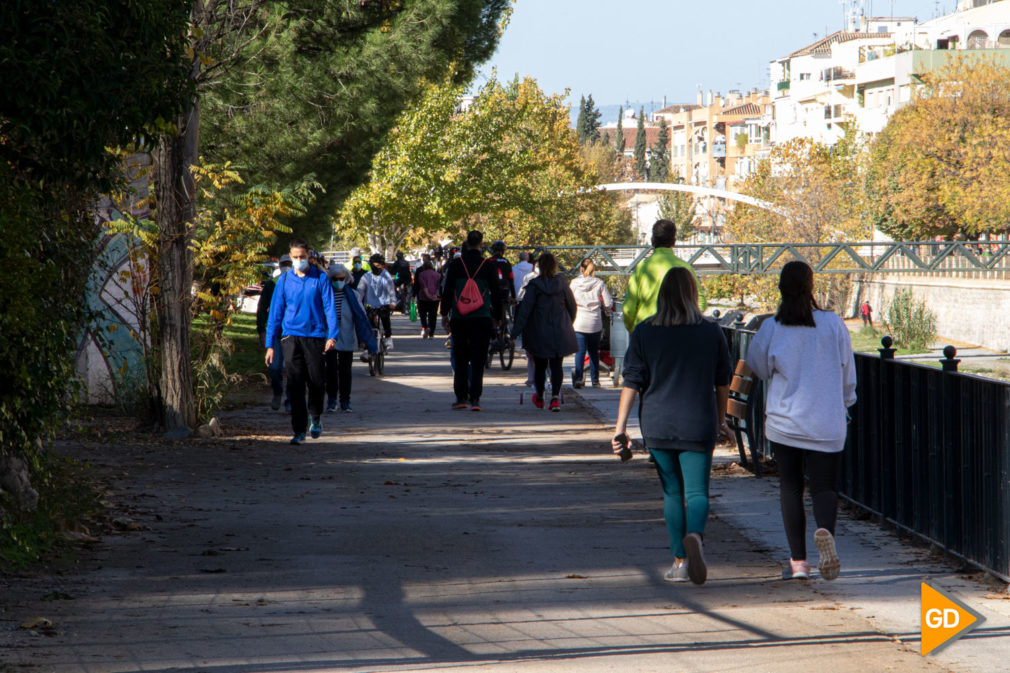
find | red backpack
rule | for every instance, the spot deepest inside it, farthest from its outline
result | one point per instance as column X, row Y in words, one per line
column 470, row 298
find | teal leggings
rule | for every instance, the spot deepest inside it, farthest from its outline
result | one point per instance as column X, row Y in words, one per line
column 684, row 476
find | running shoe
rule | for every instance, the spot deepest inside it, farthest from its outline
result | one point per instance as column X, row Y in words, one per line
column 538, row 401
column 331, row 406
column 829, row 566
column 797, row 570
column 275, row 401
column 345, row 407
column 299, row 438
column 475, row 405
column 576, row 382
column 697, row 571
column 424, row 333
column 677, row 572
column 555, row 405
column 315, row 428
column 596, row 384
column 459, row 404
column 389, row 343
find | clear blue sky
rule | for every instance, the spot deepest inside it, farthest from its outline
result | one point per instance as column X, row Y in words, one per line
column 641, row 50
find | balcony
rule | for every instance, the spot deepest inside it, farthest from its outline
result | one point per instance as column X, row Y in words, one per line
column 783, row 85
column 836, row 74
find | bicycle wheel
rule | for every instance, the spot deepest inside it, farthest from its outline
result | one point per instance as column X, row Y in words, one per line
column 380, row 361
column 490, row 356
column 507, row 355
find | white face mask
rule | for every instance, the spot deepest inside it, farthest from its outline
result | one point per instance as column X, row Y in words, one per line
column 300, row 264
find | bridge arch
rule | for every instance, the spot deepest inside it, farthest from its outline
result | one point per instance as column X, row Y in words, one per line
column 691, row 189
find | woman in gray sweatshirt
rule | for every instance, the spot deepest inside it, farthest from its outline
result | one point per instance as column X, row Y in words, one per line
column 806, row 356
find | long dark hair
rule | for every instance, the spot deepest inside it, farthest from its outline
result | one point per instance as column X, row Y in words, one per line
column 796, row 283
column 548, row 265
column 677, row 301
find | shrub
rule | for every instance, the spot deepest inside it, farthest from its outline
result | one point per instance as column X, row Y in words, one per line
column 912, row 325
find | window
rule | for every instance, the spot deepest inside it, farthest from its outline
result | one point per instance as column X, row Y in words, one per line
column 978, row 39
column 1003, row 42
column 804, row 76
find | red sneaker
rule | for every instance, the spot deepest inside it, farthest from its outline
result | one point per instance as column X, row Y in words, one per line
column 555, row 405
column 538, row 401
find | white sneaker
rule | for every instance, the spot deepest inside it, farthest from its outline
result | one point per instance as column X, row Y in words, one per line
column 424, row 333
column 677, row 572
column 389, row 343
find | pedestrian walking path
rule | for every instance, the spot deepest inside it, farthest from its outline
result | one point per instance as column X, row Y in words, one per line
column 413, row 537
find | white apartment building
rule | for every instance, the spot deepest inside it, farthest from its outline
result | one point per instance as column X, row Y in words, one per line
column 864, row 74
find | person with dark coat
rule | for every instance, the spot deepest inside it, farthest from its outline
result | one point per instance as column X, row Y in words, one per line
column 471, row 328
column 544, row 319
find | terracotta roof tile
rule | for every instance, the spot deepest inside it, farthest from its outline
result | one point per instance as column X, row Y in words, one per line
column 823, row 46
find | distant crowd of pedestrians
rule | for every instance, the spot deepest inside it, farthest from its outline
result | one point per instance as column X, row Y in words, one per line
column 677, row 366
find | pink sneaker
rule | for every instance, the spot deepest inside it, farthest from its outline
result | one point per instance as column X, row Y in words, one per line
column 797, row 570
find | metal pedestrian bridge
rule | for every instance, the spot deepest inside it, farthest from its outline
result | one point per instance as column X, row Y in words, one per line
column 991, row 259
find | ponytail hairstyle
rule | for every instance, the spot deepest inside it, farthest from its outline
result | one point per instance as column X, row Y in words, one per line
column 588, row 267
column 796, row 283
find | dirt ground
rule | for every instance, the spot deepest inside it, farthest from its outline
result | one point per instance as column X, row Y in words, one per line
column 412, row 537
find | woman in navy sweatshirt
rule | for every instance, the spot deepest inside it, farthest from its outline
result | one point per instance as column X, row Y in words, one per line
column 680, row 365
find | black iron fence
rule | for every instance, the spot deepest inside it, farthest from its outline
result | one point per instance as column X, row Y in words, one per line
column 928, row 451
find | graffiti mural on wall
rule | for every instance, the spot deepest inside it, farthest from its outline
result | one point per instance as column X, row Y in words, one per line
column 111, row 350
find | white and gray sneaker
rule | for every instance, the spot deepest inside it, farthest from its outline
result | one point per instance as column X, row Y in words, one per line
column 389, row 343
column 677, row 572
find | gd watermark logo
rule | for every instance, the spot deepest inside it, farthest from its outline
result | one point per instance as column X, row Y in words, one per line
column 944, row 619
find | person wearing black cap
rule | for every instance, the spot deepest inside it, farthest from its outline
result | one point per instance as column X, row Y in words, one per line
column 470, row 317
column 376, row 290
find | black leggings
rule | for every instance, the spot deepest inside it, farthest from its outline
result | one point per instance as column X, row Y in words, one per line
column 822, row 476
column 540, row 374
column 338, row 374
column 428, row 312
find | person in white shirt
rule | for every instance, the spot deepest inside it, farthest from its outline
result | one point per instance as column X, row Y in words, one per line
column 377, row 291
column 520, row 270
column 806, row 356
column 592, row 297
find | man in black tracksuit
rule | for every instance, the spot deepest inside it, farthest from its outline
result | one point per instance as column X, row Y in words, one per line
column 471, row 333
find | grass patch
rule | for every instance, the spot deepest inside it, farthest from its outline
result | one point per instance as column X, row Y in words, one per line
column 867, row 340
column 246, row 358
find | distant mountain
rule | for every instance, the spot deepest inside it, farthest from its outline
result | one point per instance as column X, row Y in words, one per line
column 608, row 113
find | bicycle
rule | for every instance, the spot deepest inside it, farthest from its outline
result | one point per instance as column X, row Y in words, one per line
column 502, row 345
column 377, row 360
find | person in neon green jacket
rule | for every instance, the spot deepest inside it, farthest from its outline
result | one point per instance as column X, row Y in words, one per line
column 643, row 286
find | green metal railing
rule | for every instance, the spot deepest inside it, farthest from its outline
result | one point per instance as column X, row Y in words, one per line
column 923, row 257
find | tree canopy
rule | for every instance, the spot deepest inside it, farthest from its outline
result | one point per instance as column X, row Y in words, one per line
column 509, row 164
column 660, row 164
column 587, row 128
column 941, row 166
column 324, row 81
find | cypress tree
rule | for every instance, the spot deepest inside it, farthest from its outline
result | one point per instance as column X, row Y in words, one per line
column 640, row 145
column 582, row 124
column 619, row 138
column 661, row 154
column 592, row 120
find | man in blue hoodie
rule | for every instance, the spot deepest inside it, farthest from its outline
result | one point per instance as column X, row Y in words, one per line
column 303, row 313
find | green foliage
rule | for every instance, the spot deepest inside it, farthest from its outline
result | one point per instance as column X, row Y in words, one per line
column 619, row 137
column 640, row 146
column 679, row 208
column 587, row 128
column 509, row 165
column 747, row 290
column 660, row 169
column 83, row 75
column 912, row 324
column 324, row 82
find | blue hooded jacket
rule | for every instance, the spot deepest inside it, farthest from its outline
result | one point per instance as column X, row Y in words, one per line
column 302, row 306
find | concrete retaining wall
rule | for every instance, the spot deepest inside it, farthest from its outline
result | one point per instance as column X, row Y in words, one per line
column 971, row 311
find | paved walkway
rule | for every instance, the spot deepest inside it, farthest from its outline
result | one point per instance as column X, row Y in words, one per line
column 412, row 537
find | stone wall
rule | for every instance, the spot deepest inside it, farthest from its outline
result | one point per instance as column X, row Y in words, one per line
column 971, row 311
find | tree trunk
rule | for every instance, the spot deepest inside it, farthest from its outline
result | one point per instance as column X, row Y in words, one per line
column 175, row 210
